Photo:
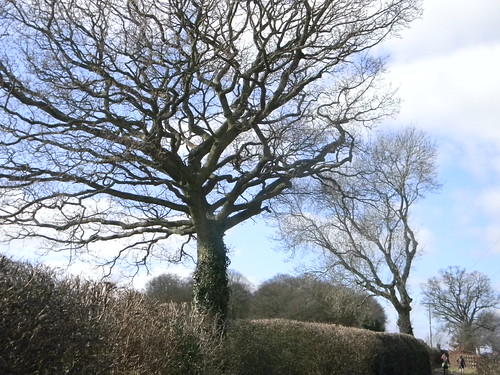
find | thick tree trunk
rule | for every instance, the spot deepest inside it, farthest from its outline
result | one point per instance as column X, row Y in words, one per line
column 466, row 337
column 404, row 322
column 211, row 290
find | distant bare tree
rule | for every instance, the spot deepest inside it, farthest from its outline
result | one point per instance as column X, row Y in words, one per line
column 464, row 302
column 170, row 287
column 140, row 120
column 362, row 219
column 240, row 296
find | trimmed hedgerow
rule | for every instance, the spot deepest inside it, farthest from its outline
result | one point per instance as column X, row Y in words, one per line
column 402, row 355
column 161, row 339
column 284, row 347
column 51, row 325
column 43, row 325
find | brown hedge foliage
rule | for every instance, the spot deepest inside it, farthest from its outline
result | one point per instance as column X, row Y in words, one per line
column 280, row 347
column 488, row 364
column 160, row 339
column 43, row 327
column 70, row 326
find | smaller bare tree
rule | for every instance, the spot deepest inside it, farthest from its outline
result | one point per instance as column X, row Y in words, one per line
column 463, row 301
column 361, row 219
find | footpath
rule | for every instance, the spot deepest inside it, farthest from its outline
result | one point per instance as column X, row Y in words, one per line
column 439, row 371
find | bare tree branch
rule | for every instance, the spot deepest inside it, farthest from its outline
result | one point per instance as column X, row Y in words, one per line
column 179, row 116
column 360, row 214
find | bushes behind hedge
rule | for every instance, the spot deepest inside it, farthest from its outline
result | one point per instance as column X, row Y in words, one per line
column 284, row 347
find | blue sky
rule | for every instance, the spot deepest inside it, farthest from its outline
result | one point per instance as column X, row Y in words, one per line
column 446, row 68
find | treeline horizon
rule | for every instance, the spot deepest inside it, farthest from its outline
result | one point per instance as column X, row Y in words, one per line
column 302, row 297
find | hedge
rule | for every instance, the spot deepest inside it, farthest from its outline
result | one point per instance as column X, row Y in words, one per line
column 488, row 364
column 284, row 347
column 72, row 326
column 52, row 325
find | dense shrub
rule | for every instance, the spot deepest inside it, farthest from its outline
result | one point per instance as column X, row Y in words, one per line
column 168, row 339
column 488, row 364
column 69, row 326
column 435, row 355
column 308, row 299
column 282, row 347
column 52, row 325
column 44, row 326
column 401, row 354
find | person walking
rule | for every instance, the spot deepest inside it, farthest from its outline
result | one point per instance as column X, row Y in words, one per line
column 445, row 358
column 461, row 364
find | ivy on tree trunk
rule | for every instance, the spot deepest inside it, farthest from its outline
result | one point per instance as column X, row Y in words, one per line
column 211, row 290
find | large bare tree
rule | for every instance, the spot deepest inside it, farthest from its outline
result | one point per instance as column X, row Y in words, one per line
column 141, row 120
column 466, row 302
column 361, row 215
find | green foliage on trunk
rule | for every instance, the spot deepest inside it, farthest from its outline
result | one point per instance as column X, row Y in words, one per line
column 211, row 290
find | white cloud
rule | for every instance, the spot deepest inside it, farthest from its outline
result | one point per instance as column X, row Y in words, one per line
column 456, row 98
column 456, row 95
column 426, row 241
column 447, row 26
column 446, row 68
column 488, row 202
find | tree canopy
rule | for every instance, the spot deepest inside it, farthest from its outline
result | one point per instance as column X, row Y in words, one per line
column 141, row 120
column 361, row 216
column 303, row 298
column 171, row 288
column 466, row 302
